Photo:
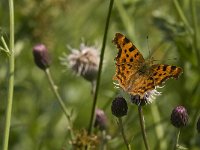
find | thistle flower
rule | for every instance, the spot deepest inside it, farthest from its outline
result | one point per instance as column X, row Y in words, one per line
column 100, row 120
column 41, row 56
column 198, row 125
column 119, row 107
column 148, row 97
column 179, row 117
column 84, row 62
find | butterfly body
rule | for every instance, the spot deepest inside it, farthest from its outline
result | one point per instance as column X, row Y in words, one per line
column 136, row 75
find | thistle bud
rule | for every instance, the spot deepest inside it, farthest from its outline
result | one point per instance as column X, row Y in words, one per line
column 41, row 56
column 100, row 120
column 119, row 107
column 179, row 117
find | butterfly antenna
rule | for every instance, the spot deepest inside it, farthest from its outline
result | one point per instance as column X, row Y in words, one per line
column 150, row 59
column 173, row 59
column 148, row 45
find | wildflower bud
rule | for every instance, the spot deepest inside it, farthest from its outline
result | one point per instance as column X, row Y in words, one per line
column 100, row 120
column 179, row 117
column 198, row 125
column 119, row 107
column 41, row 56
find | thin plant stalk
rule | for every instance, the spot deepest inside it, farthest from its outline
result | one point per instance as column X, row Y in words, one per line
column 142, row 124
column 196, row 32
column 182, row 16
column 6, row 49
column 100, row 69
column 177, row 139
column 60, row 100
column 11, row 70
column 123, row 134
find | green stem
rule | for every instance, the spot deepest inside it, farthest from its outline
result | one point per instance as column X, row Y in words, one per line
column 100, row 69
column 6, row 49
column 177, row 139
column 11, row 79
column 195, row 26
column 123, row 134
column 182, row 16
column 142, row 124
column 60, row 100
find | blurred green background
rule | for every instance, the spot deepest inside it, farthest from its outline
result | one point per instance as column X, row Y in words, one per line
column 37, row 119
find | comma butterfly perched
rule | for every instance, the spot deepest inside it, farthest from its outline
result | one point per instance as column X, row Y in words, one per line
column 136, row 75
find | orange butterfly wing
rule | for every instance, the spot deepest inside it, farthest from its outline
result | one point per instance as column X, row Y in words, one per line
column 127, row 60
column 162, row 72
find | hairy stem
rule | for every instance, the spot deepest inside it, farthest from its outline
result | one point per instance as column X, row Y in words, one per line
column 100, row 69
column 142, row 124
column 60, row 100
column 11, row 70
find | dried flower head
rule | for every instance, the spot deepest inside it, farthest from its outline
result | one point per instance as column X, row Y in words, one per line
column 100, row 120
column 83, row 139
column 41, row 56
column 198, row 125
column 119, row 107
column 84, row 62
column 179, row 117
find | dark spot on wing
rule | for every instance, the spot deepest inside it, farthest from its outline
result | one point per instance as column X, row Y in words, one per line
column 173, row 67
column 118, row 77
column 129, row 66
column 131, row 60
column 132, row 48
column 126, row 40
column 123, row 67
column 149, row 84
column 155, row 73
column 158, row 68
column 136, row 54
column 119, row 53
column 122, row 74
column 165, row 78
column 164, row 67
column 156, row 79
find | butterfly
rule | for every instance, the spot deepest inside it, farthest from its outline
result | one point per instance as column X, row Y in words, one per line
column 134, row 74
